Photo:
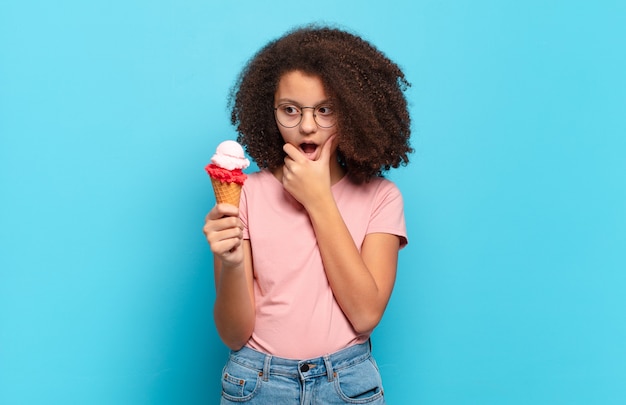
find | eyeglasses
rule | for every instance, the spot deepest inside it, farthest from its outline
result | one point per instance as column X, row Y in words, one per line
column 290, row 115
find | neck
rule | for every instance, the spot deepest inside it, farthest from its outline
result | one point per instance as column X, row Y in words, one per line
column 336, row 172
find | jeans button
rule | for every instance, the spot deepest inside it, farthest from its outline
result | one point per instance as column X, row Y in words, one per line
column 304, row 368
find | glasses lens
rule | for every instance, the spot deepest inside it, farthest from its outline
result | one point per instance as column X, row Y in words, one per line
column 325, row 116
column 289, row 115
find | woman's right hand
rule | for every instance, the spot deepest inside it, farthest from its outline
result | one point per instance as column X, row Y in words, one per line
column 224, row 232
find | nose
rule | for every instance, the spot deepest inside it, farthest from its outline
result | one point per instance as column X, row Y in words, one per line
column 308, row 124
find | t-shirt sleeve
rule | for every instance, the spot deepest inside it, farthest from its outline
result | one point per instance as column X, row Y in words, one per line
column 388, row 213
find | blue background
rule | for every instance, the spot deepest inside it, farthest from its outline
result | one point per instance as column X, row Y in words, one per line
column 511, row 290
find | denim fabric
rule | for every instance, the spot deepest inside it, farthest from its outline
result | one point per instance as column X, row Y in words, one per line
column 349, row 376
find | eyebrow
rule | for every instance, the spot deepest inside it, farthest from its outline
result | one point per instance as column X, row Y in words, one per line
column 290, row 101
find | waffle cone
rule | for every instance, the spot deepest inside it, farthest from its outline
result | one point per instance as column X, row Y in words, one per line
column 226, row 192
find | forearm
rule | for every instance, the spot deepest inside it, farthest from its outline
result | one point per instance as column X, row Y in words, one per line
column 233, row 310
column 353, row 283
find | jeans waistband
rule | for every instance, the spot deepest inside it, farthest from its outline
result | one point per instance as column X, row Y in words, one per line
column 328, row 365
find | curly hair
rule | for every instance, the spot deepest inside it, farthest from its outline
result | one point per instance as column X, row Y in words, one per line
column 366, row 87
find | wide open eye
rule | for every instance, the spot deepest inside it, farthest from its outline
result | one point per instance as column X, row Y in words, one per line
column 324, row 110
column 289, row 109
column 325, row 116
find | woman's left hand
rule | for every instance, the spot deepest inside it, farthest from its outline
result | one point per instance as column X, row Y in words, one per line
column 307, row 180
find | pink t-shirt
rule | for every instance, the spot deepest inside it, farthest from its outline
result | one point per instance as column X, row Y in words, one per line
column 297, row 316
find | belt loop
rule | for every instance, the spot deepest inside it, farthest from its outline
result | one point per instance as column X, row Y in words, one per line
column 266, row 367
column 330, row 373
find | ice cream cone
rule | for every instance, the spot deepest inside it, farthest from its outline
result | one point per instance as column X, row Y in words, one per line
column 226, row 192
column 225, row 171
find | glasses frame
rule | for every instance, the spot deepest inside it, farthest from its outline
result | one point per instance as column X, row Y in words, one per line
column 301, row 108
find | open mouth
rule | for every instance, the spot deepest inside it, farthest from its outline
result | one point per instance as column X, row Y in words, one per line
column 309, row 149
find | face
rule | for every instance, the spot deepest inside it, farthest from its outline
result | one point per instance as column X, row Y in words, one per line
column 302, row 90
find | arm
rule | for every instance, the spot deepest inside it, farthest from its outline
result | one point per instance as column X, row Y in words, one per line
column 361, row 281
column 234, row 311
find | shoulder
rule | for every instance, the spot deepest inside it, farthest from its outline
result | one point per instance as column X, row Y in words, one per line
column 263, row 188
column 376, row 195
column 259, row 179
column 382, row 183
column 376, row 187
column 256, row 190
column 376, row 204
column 261, row 175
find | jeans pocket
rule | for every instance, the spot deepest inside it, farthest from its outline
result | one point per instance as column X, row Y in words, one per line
column 360, row 383
column 239, row 383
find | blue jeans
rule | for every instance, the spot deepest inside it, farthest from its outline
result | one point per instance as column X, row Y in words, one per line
column 349, row 376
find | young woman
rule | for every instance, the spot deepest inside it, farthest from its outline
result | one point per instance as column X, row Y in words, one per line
column 305, row 266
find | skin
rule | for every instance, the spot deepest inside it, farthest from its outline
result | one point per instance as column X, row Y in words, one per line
column 362, row 281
